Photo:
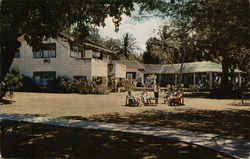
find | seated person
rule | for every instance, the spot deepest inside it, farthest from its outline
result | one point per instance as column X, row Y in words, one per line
column 130, row 98
column 145, row 98
column 139, row 102
column 169, row 94
column 176, row 98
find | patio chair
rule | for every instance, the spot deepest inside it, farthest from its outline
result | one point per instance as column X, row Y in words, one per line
column 177, row 99
column 132, row 101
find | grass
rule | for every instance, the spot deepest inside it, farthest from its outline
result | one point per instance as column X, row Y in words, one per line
column 26, row 140
column 226, row 123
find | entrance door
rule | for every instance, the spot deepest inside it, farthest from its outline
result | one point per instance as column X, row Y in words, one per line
column 42, row 78
column 130, row 77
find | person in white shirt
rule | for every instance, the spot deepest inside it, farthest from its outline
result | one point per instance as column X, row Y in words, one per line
column 169, row 94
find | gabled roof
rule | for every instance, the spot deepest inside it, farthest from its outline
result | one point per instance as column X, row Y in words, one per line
column 88, row 43
column 191, row 67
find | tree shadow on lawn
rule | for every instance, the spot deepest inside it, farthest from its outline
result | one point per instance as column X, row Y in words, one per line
column 216, row 95
column 197, row 95
column 227, row 123
column 7, row 101
column 44, row 141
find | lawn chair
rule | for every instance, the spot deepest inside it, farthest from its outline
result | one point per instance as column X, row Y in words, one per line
column 132, row 101
column 146, row 100
column 177, row 99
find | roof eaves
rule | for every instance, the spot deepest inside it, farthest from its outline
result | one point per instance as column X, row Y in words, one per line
column 88, row 43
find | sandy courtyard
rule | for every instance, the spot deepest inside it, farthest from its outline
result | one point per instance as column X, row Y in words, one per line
column 58, row 105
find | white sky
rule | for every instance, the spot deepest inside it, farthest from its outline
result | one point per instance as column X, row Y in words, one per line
column 141, row 30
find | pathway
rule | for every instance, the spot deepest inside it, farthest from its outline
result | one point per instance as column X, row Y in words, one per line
column 231, row 146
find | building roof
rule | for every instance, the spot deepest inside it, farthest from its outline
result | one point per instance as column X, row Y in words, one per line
column 132, row 66
column 88, row 43
column 191, row 67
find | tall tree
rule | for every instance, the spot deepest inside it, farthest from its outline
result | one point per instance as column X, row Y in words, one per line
column 114, row 44
column 128, row 48
column 221, row 31
column 153, row 53
column 173, row 40
column 129, row 45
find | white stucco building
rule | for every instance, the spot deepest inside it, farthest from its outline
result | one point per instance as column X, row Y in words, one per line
column 65, row 58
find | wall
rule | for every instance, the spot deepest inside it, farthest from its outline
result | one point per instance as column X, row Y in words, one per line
column 88, row 53
column 99, row 68
column 120, row 70
column 62, row 64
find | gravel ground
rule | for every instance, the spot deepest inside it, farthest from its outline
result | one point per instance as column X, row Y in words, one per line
column 58, row 105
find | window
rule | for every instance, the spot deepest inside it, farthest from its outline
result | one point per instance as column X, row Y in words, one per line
column 38, row 54
column 105, row 57
column 77, row 52
column 17, row 54
column 129, row 77
column 42, row 78
column 80, row 78
column 96, row 54
column 48, row 50
column 74, row 51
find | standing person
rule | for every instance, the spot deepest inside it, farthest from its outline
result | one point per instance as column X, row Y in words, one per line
column 157, row 90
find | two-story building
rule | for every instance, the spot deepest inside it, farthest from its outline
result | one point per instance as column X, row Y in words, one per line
column 64, row 57
column 88, row 61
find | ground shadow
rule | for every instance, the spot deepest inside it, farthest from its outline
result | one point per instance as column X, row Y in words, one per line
column 7, row 101
column 209, row 95
column 197, row 95
column 235, row 123
column 44, row 141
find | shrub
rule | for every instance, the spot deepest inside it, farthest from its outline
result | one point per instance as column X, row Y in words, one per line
column 128, row 86
column 84, row 87
column 81, row 87
column 103, row 90
column 11, row 82
column 60, row 84
column 111, row 83
column 121, row 83
column 225, row 93
column 29, row 85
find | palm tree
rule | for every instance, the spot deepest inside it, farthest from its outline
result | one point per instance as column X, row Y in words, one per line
column 129, row 46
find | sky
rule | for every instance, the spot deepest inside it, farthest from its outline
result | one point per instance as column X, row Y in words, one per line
column 141, row 30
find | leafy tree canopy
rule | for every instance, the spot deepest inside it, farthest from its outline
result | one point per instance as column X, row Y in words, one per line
column 126, row 48
column 215, row 30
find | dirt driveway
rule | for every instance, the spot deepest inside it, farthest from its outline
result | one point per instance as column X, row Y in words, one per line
column 57, row 105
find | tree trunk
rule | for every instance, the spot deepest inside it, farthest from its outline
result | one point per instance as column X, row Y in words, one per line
column 225, row 74
column 233, row 79
column 7, row 54
column 182, row 64
column 1, row 98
